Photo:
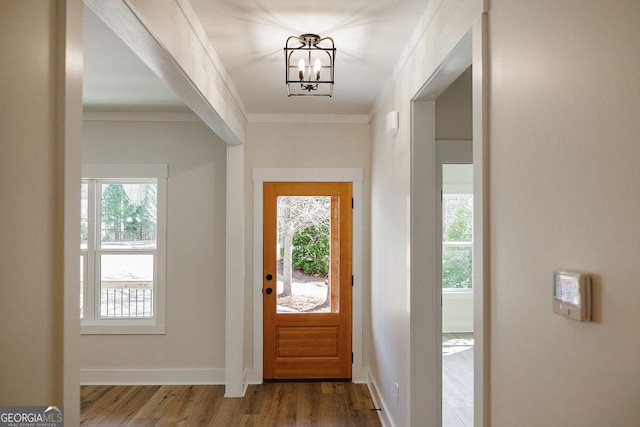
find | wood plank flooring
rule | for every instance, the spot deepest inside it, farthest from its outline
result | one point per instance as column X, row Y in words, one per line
column 457, row 380
column 269, row 404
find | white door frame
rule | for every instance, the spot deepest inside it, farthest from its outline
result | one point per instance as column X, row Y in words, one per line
column 353, row 175
column 426, row 310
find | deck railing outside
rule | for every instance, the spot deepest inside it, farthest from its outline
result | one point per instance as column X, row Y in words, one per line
column 119, row 299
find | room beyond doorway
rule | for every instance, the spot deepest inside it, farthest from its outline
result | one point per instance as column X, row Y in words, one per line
column 457, row 379
column 455, row 179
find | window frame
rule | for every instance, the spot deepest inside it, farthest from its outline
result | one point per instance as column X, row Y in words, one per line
column 92, row 323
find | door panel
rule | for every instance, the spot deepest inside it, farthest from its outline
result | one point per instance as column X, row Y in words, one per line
column 307, row 320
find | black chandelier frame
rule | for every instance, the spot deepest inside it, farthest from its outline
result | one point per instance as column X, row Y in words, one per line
column 308, row 44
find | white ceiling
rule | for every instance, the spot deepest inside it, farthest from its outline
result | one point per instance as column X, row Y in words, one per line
column 249, row 37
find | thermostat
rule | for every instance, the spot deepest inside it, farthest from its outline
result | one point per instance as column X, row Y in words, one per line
column 572, row 294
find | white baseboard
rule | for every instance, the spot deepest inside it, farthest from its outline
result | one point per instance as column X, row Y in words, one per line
column 252, row 376
column 203, row 376
column 245, row 381
column 379, row 402
column 360, row 375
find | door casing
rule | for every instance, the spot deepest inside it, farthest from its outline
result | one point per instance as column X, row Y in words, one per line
column 426, row 331
column 356, row 177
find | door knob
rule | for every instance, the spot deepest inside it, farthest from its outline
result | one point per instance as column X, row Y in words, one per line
column 269, row 291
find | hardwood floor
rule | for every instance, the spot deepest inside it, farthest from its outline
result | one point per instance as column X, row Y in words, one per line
column 457, row 380
column 269, row 404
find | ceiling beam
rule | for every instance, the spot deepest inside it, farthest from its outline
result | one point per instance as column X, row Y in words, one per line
column 168, row 39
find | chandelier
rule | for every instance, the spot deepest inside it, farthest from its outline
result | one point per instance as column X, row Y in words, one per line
column 309, row 62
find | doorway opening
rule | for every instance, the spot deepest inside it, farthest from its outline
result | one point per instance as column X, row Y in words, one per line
column 426, row 232
column 457, row 287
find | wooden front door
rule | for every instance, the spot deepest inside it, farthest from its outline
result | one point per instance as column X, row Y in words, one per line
column 307, row 280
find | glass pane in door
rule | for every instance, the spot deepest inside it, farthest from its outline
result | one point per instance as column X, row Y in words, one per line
column 307, row 279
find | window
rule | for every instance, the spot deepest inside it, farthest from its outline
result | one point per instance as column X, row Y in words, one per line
column 457, row 241
column 122, row 249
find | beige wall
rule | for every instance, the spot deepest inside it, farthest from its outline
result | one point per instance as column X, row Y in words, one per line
column 453, row 110
column 564, row 193
column 195, row 273
column 30, row 246
column 303, row 145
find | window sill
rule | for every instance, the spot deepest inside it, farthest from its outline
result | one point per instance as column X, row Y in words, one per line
column 122, row 327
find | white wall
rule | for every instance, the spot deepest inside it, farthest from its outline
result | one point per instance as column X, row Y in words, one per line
column 444, row 24
column 303, row 145
column 453, row 110
column 563, row 174
column 195, row 249
column 389, row 350
column 564, row 193
column 457, row 311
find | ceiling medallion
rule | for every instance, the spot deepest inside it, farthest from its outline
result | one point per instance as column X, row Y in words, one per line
column 309, row 62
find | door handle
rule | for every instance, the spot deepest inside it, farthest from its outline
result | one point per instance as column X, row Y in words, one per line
column 269, row 291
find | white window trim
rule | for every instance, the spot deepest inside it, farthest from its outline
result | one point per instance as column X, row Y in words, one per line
column 156, row 324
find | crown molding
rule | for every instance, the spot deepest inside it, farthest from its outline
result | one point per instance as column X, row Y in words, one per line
column 139, row 116
column 421, row 28
column 309, row 118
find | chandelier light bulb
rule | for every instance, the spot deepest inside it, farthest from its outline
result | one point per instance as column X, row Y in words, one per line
column 316, row 68
column 301, row 69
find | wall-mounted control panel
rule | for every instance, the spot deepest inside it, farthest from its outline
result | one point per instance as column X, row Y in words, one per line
column 572, row 294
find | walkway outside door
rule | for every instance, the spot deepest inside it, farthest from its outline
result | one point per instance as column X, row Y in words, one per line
column 307, row 280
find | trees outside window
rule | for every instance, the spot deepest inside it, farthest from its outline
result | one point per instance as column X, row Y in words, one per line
column 308, row 217
column 128, row 213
